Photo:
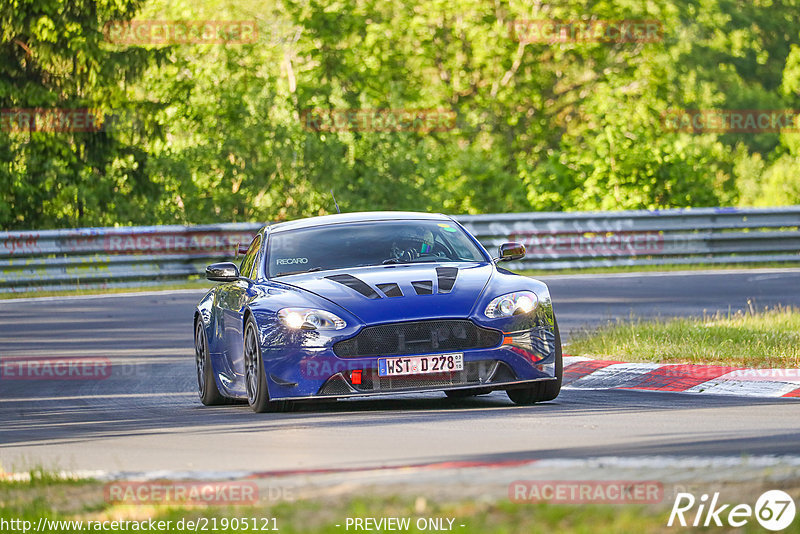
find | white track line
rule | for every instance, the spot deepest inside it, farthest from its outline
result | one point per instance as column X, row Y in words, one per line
column 660, row 274
column 106, row 295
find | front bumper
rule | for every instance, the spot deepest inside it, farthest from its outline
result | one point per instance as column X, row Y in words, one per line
column 317, row 373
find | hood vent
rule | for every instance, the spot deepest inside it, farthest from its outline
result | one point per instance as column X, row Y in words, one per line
column 423, row 287
column 390, row 290
column 446, row 278
column 354, row 283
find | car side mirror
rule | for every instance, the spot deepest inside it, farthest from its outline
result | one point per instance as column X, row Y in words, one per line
column 511, row 251
column 222, row 272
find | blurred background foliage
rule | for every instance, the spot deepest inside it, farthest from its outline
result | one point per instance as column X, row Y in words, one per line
column 209, row 132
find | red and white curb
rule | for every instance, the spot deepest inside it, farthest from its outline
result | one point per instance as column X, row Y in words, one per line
column 585, row 373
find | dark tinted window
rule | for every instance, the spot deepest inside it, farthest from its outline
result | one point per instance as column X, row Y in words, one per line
column 351, row 245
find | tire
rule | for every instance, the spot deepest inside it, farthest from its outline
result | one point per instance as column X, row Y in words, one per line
column 542, row 391
column 206, row 385
column 254, row 374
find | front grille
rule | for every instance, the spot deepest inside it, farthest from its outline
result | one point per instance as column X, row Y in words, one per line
column 419, row 337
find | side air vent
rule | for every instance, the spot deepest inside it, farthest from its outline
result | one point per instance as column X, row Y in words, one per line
column 336, row 385
column 354, row 283
column 503, row 373
column 447, row 278
column 390, row 290
column 423, row 287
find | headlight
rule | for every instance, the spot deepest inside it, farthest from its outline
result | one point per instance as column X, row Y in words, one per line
column 310, row 319
column 512, row 304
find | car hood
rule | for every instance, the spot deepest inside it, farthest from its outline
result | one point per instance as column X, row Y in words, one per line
column 404, row 292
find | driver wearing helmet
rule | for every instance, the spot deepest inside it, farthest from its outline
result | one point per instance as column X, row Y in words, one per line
column 412, row 243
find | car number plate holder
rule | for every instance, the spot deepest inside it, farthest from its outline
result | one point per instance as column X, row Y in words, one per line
column 420, row 365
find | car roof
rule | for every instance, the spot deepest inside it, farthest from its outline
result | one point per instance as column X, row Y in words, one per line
column 360, row 216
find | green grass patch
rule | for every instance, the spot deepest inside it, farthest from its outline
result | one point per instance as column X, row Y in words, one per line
column 41, row 476
column 64, row 502
column 762, row 339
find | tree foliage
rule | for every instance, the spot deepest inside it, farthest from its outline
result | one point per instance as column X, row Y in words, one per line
column 216, row 132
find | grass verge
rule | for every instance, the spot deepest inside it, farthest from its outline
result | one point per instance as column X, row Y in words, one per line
column 769, row 338
column 67, row 502
column 59, row 504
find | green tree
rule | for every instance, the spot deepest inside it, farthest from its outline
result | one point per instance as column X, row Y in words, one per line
column 52, row 56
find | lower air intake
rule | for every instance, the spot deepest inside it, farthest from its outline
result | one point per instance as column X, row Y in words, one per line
column 417, row 337
column 473, row 373
column 481, row 373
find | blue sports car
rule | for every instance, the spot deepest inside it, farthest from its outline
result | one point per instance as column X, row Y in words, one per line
column 373, row 303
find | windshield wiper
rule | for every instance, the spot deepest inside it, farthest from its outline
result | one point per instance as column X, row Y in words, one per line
column 392, row 261
column 311, row 270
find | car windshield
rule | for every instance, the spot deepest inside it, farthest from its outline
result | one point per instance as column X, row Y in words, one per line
column 340, row 246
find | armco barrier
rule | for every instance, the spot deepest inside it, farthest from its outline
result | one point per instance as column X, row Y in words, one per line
column 114, row 257
column 679, row 236
column 128, row 256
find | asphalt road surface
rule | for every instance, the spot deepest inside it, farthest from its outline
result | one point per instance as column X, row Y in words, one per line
column 146, row 415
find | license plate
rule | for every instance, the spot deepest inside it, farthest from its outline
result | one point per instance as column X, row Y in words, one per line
column 418, row 365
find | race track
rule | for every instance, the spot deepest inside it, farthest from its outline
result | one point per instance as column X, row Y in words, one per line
column 146, row 415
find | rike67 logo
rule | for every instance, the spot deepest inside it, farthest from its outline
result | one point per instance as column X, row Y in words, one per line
column 774, row 510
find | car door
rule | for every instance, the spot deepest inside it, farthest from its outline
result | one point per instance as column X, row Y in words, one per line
column 233, row 300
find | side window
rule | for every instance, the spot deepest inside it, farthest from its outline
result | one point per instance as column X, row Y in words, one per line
column 249, row 264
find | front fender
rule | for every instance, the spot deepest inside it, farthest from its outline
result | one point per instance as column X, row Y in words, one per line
column 275, row 335
column 533, row 334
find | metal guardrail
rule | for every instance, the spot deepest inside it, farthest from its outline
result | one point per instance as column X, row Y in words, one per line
column 665, row 237
column 130, row 256
column 114, row 257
